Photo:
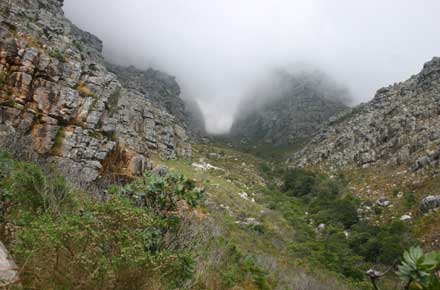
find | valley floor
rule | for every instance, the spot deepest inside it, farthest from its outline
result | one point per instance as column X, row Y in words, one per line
column 260, row 228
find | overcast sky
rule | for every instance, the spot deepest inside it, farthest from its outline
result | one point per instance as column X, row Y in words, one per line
column 218, row 49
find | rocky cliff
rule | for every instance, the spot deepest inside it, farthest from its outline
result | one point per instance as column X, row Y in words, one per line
column 162, row 91
column 400, row 126
column 288, row 109
column 59, row 103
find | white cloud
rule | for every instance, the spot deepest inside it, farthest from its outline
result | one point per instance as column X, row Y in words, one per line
column 218, row 48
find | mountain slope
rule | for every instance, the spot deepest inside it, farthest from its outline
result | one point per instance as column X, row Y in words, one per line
column 162, row 91
column 59, row 103
column 400, row 126
column 288, row 109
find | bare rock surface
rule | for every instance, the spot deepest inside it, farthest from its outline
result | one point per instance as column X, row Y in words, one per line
column 59, row 102
column 8, row 268
column 399, row 127
column 288, row 110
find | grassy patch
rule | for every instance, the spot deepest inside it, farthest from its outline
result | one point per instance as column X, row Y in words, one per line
column 2, row 79
column 57, row 54
column 84, row 90
column 59, row 140
column 63, row 239
column 112, row 104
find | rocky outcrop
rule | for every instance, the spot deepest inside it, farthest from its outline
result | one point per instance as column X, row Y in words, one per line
column 162, row 91
column 58, row 101
column 8, row 268
column 195, row 120
column 400, row 126
column 288, row 110
column 159, row 88
column 431, row 202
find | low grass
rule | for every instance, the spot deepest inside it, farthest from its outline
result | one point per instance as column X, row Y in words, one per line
column 273, row 243
column 57, row 54
column 84, row 90
column 59, row 140
column 270, row 240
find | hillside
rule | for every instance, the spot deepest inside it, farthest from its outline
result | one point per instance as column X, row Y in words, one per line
column 162, row 91
column 399, row 127
column 108, row 182
column 288, row 109
column 388, row 150
column 60, row 104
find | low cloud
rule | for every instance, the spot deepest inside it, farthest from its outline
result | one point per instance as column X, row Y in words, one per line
column 218, row 49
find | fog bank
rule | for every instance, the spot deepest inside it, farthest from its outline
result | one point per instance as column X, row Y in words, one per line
column 219, row 49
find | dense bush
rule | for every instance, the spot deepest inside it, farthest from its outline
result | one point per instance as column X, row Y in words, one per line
column 380, row 244
column 298, row 182
column 240, row 268
column 109, row 245
column 161, row 194
column 62, row 240
column 345, row 244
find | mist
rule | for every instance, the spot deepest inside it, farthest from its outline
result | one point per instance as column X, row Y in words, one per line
column 219, row 49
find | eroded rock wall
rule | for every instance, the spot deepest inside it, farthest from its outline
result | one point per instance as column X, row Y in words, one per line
column 59, row 102
column 399, row 127
column 288, row 110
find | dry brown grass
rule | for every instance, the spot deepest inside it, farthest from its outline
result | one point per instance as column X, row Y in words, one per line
column 84, row 90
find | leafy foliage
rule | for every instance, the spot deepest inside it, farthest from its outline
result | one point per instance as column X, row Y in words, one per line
column 420, row 269
column 58, row 54
column 162, row 194
column 2, row 80
column 345, row 244
column 382, row 245
column 298, row 182
column 240, row 267
column 67, row 240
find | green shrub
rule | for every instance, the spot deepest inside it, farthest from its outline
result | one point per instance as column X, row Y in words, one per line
column 28, row 187
column 335, row 210
column 240, row 268
column 420, row 270
column 383, row 244
column 326, row 202
column 103, row 246
column 299, row 182
column 410, row 199
column 162, row 194
column 62, row 241
column 58, row 54
column 2, row 80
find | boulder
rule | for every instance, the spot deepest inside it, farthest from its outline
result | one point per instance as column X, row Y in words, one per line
column 431, row 202
column 161, row 170
column 406, row 217
column 8, row 268
column 383, row 202
column 138, row 164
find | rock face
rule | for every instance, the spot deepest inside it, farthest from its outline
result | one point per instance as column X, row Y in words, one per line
column 195, row 120
column 163, row 92
column 289, row 109
column 59, row 102
column 400, row 126
column 159, row 88
column 8, row 268
column 431, row 202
